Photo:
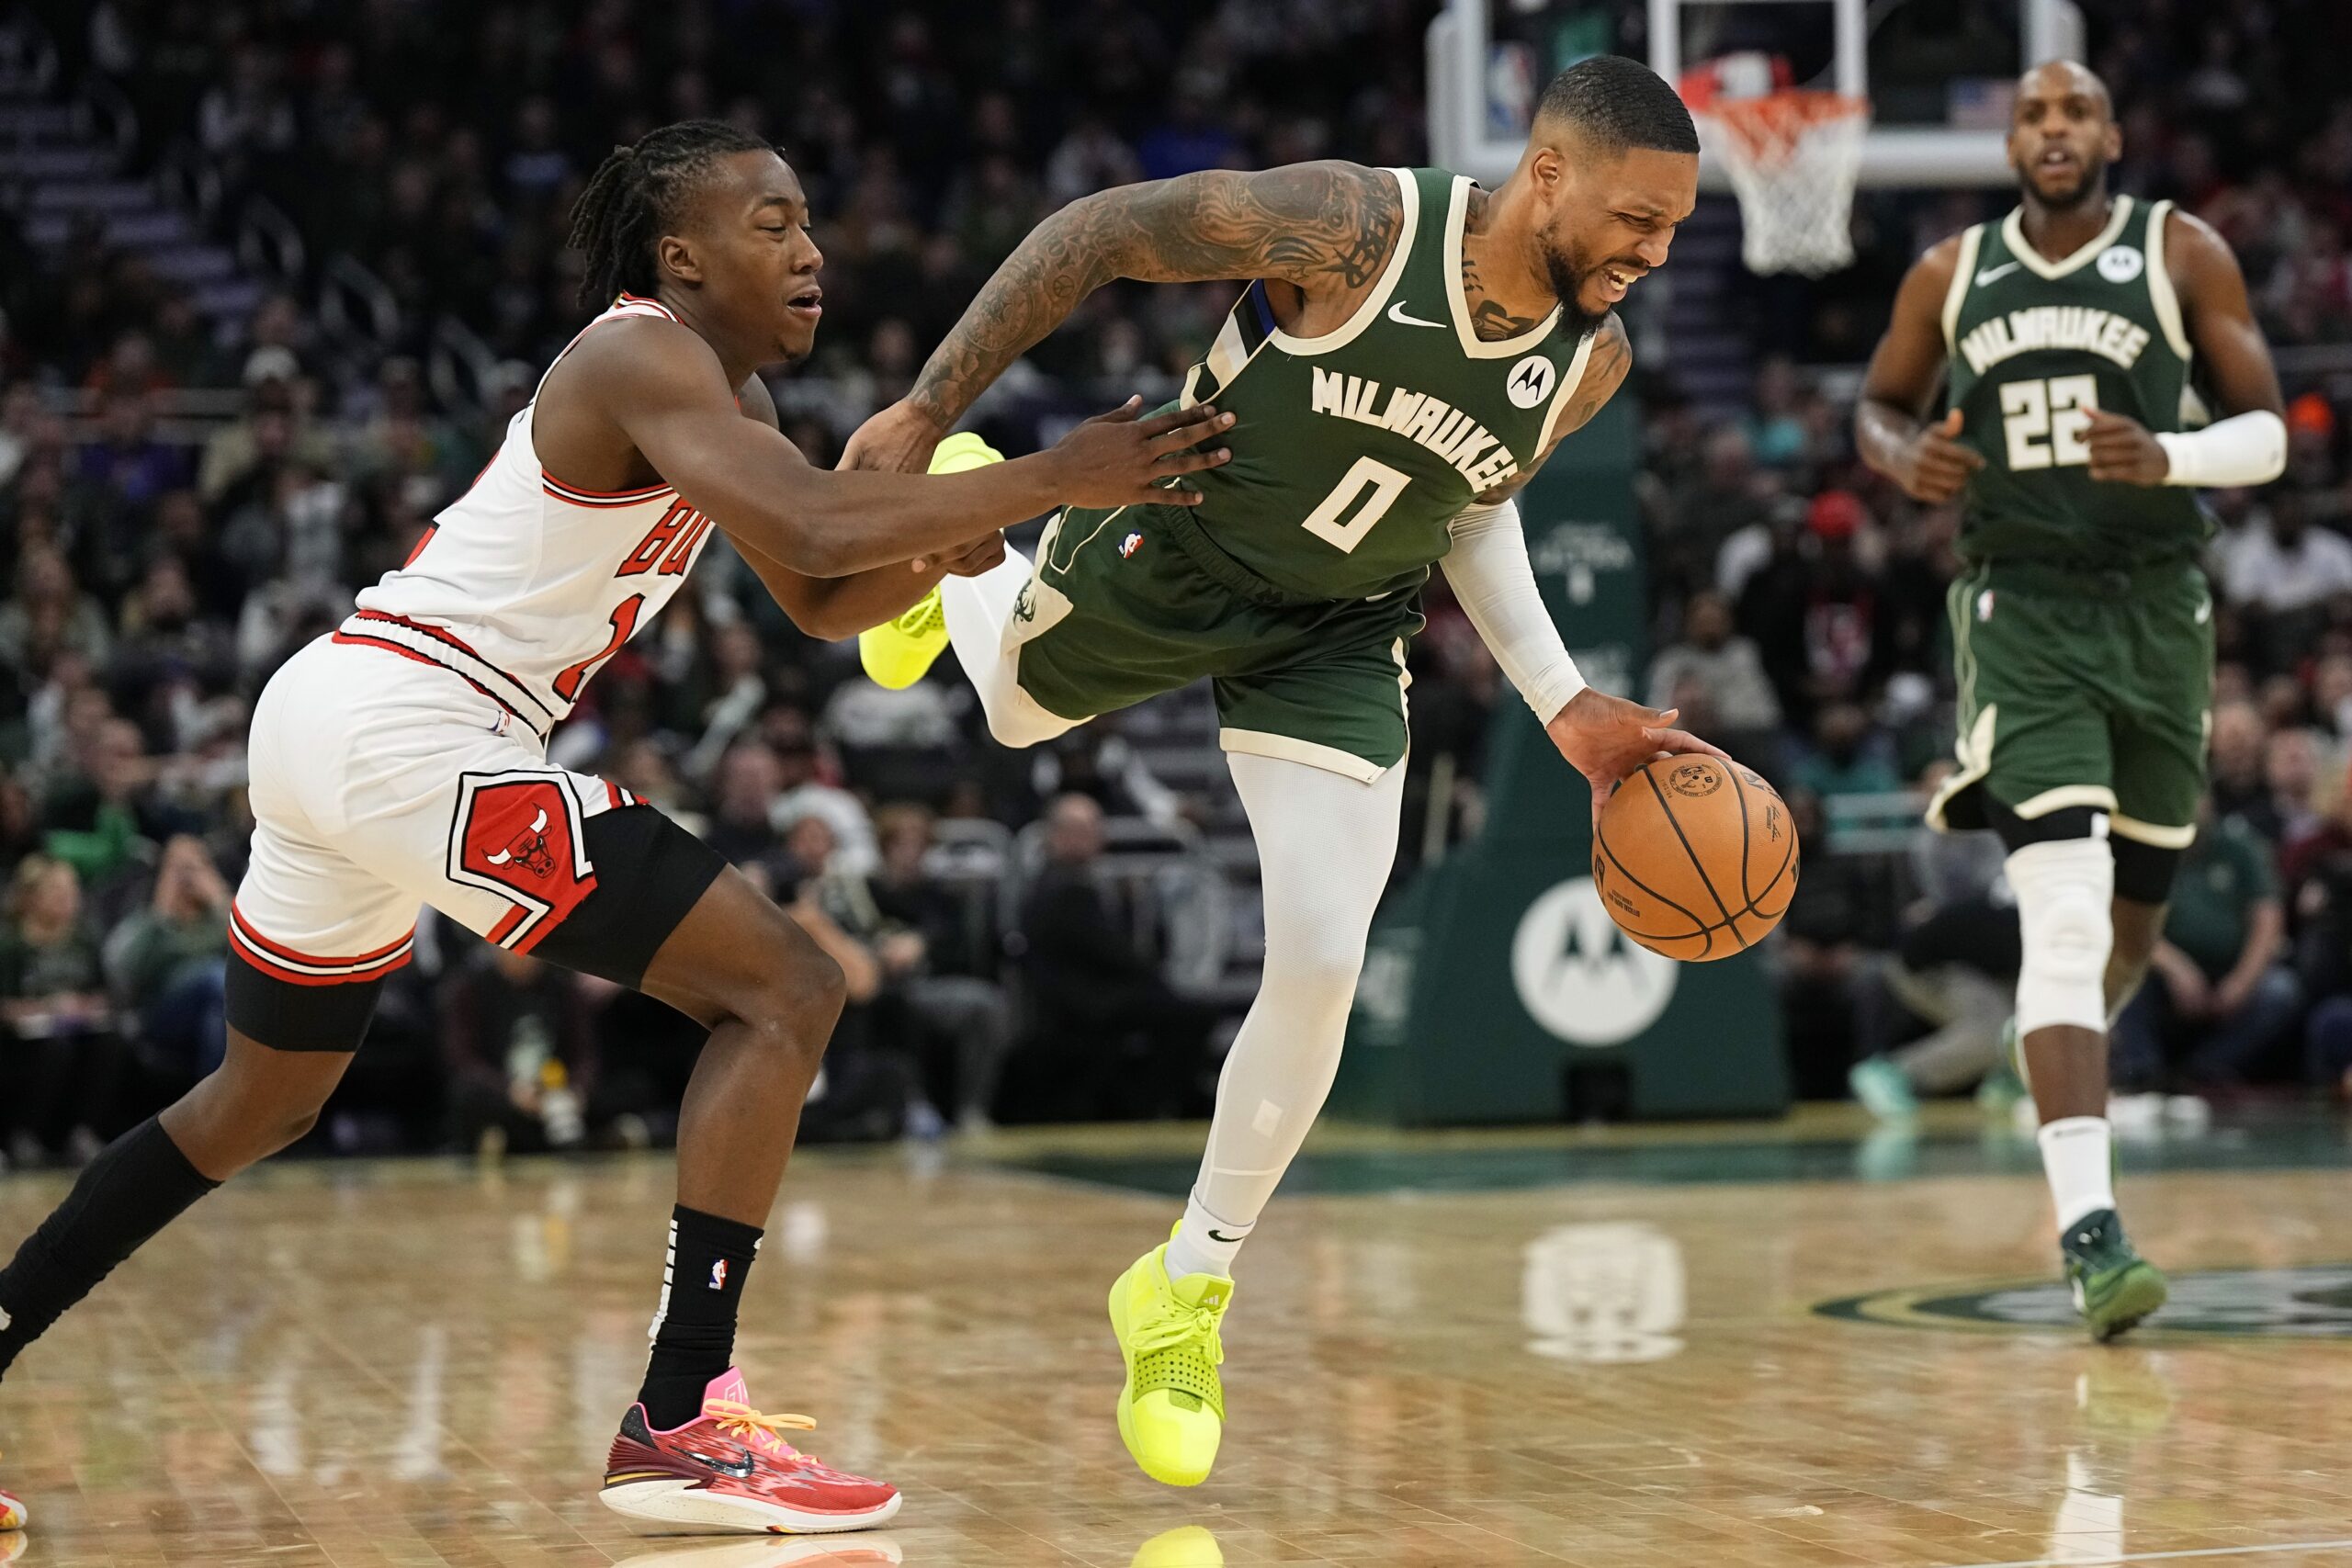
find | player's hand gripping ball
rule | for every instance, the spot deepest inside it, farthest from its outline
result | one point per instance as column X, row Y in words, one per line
column 1695, row 858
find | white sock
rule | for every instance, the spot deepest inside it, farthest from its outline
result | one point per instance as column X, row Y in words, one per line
column 1205, row 1244
column 2077, row 1157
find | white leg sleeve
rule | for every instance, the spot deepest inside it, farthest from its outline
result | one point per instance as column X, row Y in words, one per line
column 1325, row 846
column 978, row 610
column 2065, row 889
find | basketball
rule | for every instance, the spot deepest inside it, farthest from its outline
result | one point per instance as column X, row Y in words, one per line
column 1695, row 858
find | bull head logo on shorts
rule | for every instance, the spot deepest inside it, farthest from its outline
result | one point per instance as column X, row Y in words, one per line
column 529, row 848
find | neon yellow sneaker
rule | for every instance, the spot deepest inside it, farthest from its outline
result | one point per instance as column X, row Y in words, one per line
column 1189, row 1546
column 898, row 653
column 1172, row 1411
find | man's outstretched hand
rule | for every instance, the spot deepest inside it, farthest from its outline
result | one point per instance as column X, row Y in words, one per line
column 1606, row 738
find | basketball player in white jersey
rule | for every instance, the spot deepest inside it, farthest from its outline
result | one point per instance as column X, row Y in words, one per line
column 401, row 762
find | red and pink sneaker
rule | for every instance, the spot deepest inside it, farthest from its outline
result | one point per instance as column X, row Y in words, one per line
column 729, row 1468
column 12, row 1513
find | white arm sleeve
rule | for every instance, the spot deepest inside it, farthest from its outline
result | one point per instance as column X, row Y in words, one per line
column 2243, row 449
column 1493, row 578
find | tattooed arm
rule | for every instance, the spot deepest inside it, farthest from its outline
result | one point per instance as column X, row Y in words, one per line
column 1325, row 228
column 1604, row 372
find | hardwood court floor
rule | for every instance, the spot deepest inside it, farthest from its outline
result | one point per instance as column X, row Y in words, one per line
column 1446, row 1352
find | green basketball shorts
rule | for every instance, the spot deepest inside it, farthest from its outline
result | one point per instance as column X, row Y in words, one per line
column 1127, row 604
column 2082, row 688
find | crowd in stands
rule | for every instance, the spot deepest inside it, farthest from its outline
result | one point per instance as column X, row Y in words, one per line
column 149, row 583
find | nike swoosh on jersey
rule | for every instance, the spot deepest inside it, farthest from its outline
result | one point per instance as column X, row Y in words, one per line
column 1990, row 273
column 1396, row 314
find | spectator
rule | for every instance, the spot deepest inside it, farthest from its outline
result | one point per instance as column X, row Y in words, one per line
column 934, row 954
column 51, row 614
column 521, row 1053
column 169, row 964
column 1089, row 159
column 748, row 778
column 59, row 1056
column 802, row 790
column 1195, row 136
column 2238, row 745
column 1824, row 958
column 1718, row 500
column 128, row 468
column 1845, row 758
column 1774, row 426
column 1954, row 969
column 1109, row 1026
column 2292, row 571
column 1097, row 761
column 97, row 816
column 2291, row 767
column 1716, row 671
column 867, row 1088
column 1818, row 612
column 2221, row 997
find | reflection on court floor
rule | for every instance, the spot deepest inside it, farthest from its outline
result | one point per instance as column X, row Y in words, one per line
column 1776, row 1347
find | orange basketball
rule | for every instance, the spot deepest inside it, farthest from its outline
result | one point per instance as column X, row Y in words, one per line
column 1694, row 858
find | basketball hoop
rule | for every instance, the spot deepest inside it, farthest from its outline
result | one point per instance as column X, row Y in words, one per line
column 1792, row 155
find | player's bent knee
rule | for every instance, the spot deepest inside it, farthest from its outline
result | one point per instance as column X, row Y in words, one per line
column 812, row 995
column 1017, row 720
column 798, row 998
column 2064, row 890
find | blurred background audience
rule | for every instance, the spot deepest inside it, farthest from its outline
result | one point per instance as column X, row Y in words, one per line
column 270, row 322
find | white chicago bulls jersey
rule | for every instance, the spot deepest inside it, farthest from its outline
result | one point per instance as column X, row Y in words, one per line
column 526, row 585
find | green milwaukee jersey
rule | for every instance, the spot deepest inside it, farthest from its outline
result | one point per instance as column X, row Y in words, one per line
column 2035, row 346
column 1353, row 452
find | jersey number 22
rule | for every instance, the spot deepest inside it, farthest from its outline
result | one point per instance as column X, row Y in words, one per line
column 2059, row 409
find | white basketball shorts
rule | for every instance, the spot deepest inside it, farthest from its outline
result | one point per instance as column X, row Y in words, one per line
column 382, row 783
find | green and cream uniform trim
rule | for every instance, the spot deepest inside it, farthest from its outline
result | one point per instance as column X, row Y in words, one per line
column 1294, row 585
column 2037, row 345
column 2082, row 625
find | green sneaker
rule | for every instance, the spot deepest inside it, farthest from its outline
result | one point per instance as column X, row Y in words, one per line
column 2114, row 1286
column 1883, row 1090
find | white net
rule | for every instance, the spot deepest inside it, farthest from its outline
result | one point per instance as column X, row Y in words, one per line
column 1792, row 156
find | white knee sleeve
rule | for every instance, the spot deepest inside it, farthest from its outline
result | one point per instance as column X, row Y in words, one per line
column 2065, row 891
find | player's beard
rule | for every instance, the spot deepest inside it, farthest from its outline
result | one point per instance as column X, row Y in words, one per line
column 2089, row 182
column 1567, row 286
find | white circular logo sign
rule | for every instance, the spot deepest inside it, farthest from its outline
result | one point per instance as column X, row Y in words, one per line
column 2121, row 264
column 1532, row 380
column 1581, row 978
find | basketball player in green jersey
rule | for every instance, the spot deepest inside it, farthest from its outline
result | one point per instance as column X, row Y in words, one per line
column 1411, row 348
column 2082, row 624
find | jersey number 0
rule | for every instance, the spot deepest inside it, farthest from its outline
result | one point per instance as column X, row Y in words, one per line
column 1370, row 473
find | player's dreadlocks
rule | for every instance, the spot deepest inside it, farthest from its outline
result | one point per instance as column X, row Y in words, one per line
column 637, row 195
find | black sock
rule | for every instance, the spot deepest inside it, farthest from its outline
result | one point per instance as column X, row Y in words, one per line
column 139, row 1184
column 694, row 1337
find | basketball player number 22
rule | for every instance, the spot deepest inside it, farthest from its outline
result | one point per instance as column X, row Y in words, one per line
column 1370, row 473
column 2060, row 408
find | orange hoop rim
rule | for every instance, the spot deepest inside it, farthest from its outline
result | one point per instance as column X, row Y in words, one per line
column 1778, row 120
